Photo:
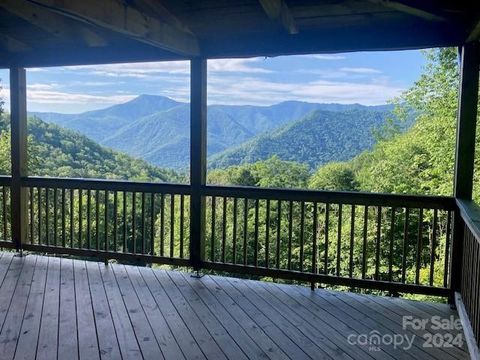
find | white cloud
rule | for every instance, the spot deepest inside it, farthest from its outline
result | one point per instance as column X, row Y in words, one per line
column 360, row 70
column 41, row 86
column 326, row 56
column 261, row 92
column 134, row 70
column 152, row 70
column 57, row 97
column 236, row 65
column 37, row 69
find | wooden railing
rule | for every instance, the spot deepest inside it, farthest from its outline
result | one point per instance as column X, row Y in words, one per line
column 393, row 243
column 110, row 219
column 469, row 285
column 377, row 241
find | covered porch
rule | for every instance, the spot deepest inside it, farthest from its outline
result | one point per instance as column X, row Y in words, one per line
column 63, row 306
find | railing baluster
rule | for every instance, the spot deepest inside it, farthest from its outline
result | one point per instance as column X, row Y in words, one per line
column 302, row 234
column 419, row 246
column 55, row 219
column 64, row 239
column 315, row 244
column 234, row 237
column 134, row 222
column 47, row 213
column 255, row 249
column 433, row 245
column 143, row 223
column 115, row 220
column 212, row 241
column 267, row 235
column 392, row 239
column 339, row 238
column 89, row 205
column 279, row 232
column 405, row 244
column 162, row 224
column 105, row 235
column 378, row 242
column 72, row 207
column 245, row 230
column 365, row 243
column 152, row 223
column 447, row 249
column 124, row 215
column 290, row 234
column 172, row 225
column 224, row 228
column 39, row 205
column 325, row 254
column 182, row 201
column 32, row 220
column 352, row 239
column 97, row 220
column 4, row 205
column 80, row 208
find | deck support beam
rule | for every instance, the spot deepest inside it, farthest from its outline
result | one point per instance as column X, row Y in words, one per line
column 198, row 159
column 465, row 150
column 18, row 111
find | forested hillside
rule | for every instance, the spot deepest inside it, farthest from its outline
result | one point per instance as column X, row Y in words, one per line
column 54, row 151
column 157, row 129
column 316, row 139
column 421, row 160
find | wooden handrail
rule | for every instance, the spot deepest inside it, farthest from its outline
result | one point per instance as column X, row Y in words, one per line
column 470, row 214
column 101, row 184
column 337, row 197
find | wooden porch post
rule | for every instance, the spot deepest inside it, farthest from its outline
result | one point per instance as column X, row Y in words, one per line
column 198, row 159
column 465, row 150
column 18, row 111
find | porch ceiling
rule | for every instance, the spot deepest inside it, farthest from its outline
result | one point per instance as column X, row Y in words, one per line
column 51, row 32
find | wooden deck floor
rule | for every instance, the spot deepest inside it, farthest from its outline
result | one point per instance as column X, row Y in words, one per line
column 52, row 308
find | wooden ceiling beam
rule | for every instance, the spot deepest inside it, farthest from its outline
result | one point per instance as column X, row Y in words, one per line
column 475, row 33
column 13, row 45
column 278, row 11
column 409, row 9
column 119, row 17
column 157, row 10
column 52, row 23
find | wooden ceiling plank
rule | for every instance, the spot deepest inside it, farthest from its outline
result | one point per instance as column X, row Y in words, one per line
column 475, row 33
column 13, row 45
column 119, row 17
column 158, row 10
column 409, row 9
column 52, row 23
column 278, row 10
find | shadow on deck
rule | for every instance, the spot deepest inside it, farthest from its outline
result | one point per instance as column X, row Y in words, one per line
column 62, row 308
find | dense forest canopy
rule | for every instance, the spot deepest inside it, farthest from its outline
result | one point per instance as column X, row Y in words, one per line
column 54, row 151
column 419, row 160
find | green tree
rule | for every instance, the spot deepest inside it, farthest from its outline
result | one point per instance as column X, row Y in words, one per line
column 334, row 176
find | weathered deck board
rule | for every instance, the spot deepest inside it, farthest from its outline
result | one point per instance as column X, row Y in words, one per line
column 57, row 308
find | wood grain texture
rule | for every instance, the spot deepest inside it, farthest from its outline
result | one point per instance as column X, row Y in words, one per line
column 58, row 308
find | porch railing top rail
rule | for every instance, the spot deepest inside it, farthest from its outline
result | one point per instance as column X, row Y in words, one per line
column 338, row 197
column 103, row 184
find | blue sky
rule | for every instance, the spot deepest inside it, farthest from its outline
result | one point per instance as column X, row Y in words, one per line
column 367, row 78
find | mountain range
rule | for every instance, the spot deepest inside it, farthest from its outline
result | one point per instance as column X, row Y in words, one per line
column 156, row 129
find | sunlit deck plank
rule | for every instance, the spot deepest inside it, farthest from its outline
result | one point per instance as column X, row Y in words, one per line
column 62, row 308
